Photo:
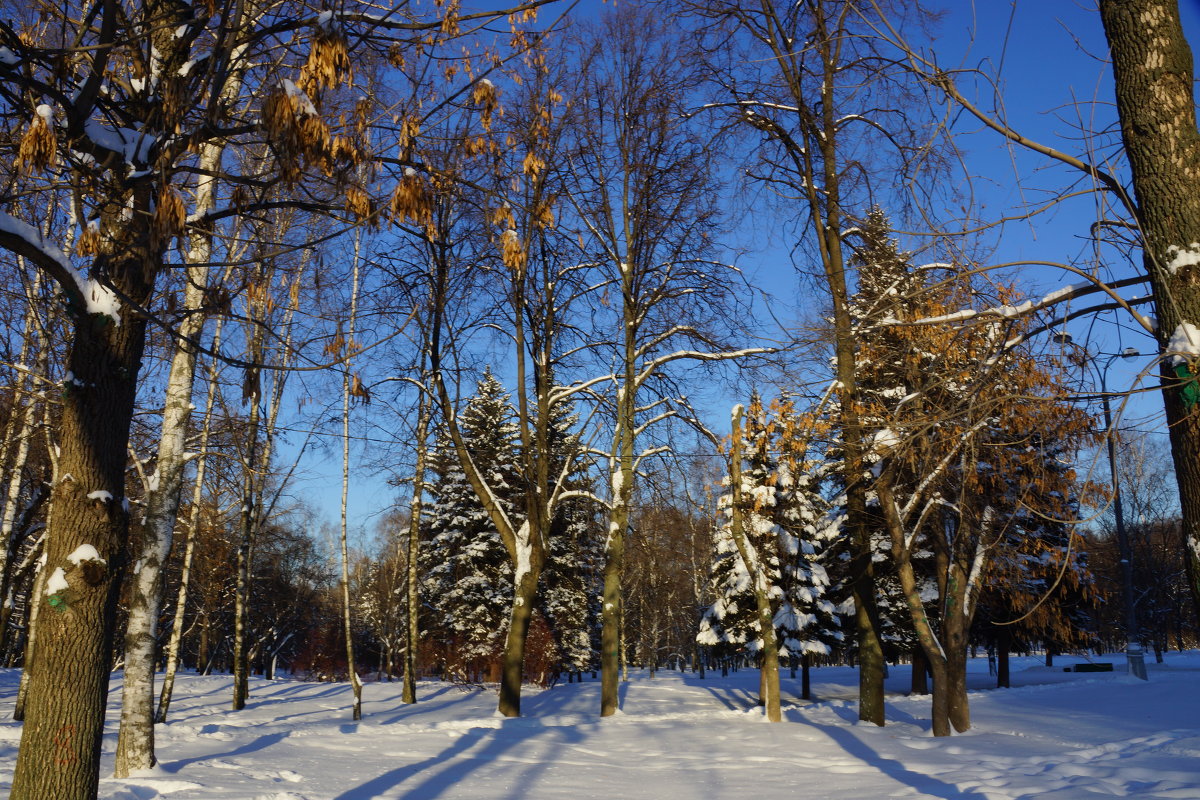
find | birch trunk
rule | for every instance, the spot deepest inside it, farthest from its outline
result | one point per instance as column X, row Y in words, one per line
column 247, row 531
column 347, row 626
column 22, row 437
column 39, row 576
column 135, row 741
column 252, row 512
column 168, row 686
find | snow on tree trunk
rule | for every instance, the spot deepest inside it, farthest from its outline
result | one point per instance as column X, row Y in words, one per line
column 525, row 580
column 621, row 471
column 1153, row 74
column 69, row 673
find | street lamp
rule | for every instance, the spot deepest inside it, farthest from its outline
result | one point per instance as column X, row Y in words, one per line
column 1134, row 655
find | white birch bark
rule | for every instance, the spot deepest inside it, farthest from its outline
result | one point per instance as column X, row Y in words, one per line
column 355, row 683
column 135, row 742
column 21, row 437
column 164, row 699
column 39, row 580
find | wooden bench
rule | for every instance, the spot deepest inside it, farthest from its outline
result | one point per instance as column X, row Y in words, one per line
column 1098, row 666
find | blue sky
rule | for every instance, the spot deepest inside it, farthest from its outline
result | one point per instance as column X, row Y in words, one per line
column 1048, row 56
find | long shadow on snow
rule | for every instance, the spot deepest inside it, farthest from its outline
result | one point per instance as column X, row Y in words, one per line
column 408, row 712
column 510, row 734
column 732, row 697
column 260, row 743
column 920, row 782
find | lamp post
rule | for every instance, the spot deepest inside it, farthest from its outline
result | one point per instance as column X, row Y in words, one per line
column 1134, row 655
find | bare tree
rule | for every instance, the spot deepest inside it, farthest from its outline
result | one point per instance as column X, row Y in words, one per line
column 642, row 191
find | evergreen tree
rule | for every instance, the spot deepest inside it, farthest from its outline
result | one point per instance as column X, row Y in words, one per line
column 569, row 579
column 809, row 519
column 729, row 625
column 888, row 289
column 788, row 522
column 468, row 574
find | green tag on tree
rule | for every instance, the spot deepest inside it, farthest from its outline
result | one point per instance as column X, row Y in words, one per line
column 1190, row 390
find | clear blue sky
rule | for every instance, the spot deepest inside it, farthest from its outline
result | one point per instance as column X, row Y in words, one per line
column 1049, row 56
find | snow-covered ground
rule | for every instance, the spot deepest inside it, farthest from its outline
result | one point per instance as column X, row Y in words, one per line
column 1055, row 736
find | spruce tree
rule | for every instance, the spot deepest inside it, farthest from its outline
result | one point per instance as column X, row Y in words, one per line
column 468, row 573
column 569, row 578
column 789, row 524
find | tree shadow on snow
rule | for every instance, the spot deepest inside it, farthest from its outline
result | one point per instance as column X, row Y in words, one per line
column 260, row 743
column 455, row 762
column 920, row 782
column 732, row 697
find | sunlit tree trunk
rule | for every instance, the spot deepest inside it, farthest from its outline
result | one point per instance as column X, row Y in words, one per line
column 135, row 742
column 1153, row 72
column 85, row 548
column 173, row 646
column 347, row 622
column 412, row 626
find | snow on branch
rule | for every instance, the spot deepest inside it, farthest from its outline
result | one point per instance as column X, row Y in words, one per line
column 90, row 295
column 649, row 367
column 1008, row 311
column 648, row 453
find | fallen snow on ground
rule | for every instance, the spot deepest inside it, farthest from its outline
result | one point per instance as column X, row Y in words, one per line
column 1056, row 736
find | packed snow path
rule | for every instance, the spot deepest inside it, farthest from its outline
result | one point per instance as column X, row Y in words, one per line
column 1056, row 736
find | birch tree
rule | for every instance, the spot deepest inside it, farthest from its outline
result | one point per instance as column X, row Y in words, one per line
column 122, row 123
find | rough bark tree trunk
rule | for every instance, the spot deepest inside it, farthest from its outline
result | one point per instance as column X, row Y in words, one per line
column 920, row 672
column 1153, row 73
column 60, row 743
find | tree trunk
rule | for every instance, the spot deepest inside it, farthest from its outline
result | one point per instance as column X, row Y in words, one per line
column 866, row 626
column 920, row 672
column 512, row 671
column 1003, row 645
column 248, row 529
column 940, row 710
column 135, row 742
column 168, row 687
column 1153, row 76
column 413, row 628
column 610, row 610
column 60, row 744
column 347, row 622
column 39, row 584
column 769, row 683
column 956, row 689
column 805, row 682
